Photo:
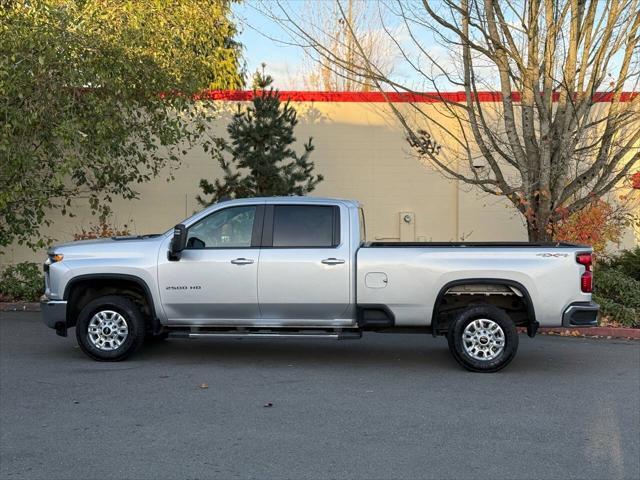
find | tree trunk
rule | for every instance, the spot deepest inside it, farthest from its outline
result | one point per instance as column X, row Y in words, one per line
column 538, row 233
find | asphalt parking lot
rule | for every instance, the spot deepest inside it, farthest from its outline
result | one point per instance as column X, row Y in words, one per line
column 386, row 406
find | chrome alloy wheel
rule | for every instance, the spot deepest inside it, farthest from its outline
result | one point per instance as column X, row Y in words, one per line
column 483, row 339
column 107, row 330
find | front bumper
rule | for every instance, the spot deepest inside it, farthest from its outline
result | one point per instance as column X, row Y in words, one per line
column 581, row 314
column 54, row 315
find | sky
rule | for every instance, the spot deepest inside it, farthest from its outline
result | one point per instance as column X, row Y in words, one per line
column 284, row 62
column 266, row 41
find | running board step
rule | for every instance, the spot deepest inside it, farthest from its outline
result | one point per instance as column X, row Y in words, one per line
column 343, row 335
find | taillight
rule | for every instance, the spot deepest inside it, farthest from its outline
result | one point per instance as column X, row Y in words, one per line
column 586, row 280
column 584, row 259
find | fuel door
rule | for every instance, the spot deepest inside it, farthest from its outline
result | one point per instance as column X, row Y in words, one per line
column 376, row 280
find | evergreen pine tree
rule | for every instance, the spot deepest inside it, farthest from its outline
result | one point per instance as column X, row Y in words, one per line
column 262, row 161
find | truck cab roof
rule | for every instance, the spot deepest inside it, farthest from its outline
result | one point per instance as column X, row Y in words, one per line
column 291, row 199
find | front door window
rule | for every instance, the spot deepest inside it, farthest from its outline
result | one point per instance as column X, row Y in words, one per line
column 228, row 228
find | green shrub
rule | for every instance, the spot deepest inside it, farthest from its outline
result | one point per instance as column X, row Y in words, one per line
column 22, row 282
column 627, row 261
column 618, row 295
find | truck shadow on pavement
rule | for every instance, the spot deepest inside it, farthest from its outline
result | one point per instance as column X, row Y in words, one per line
column 425, row 354
column 373, row 351
column 276, row 352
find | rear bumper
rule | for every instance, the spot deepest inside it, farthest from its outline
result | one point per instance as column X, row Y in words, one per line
column 581, row 314
column 54, row 315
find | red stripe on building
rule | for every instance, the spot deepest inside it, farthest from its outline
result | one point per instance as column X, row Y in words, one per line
column 395, row 97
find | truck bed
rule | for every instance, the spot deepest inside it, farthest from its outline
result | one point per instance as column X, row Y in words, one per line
column 409, row 277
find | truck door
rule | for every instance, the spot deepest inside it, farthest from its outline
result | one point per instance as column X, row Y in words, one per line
column 304, row 271
column 215, row 279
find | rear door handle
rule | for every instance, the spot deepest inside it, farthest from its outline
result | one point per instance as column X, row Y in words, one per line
column 332, row 261
column 242, row 261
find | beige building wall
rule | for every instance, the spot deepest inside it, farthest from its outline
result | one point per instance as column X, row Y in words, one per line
column 362, row 154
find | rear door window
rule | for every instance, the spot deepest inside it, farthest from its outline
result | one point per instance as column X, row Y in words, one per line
column 306, row 226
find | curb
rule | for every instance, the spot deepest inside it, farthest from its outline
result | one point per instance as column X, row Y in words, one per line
column 19, row 307
column 611, row 332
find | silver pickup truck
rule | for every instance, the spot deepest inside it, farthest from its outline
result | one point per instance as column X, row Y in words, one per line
column 301, row 267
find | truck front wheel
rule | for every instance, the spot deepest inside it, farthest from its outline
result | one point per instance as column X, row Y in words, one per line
column 483, row 338
column 110, row 328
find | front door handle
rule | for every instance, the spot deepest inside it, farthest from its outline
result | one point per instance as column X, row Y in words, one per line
column 242, row 261
column 332, row 261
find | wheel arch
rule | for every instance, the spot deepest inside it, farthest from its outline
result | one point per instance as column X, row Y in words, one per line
column 483, row 281
column 106, row 280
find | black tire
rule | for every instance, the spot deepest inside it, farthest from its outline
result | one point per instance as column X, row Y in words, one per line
column 134, row 323
column 457, row 343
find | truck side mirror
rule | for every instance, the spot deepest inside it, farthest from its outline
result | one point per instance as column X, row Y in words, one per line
column 178, row 242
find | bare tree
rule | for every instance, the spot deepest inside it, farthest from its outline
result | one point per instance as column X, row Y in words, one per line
column 324, row 21
column 360, row 23
column 559, row 133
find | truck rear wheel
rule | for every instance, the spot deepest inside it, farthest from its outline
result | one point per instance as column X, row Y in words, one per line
column 483, row 338
column 110, row 328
